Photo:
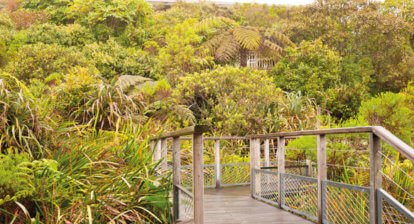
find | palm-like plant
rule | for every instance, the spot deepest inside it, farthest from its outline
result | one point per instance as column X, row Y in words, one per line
column 239, row 41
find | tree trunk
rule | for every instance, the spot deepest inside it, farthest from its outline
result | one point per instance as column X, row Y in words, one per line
column 243, row 57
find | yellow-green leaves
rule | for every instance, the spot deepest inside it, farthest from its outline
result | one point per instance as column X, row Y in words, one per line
column 248, row 37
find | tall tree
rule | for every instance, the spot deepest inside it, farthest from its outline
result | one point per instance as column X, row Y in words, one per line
column 361, row 29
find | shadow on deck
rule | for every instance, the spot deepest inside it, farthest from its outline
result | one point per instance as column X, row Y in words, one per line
column 234, row 205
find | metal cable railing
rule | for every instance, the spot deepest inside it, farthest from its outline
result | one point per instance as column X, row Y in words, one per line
column 233, row 174
column 185, row 204
column 391, row 210
column 266, row 186
column 299, row 194
column 187, row 174
column 345, row 203
column 292, row 188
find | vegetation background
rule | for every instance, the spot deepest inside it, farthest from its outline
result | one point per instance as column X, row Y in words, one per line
column 84, row 84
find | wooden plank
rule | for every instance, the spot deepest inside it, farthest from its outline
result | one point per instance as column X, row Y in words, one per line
column 198, row 178
column 217, row 162
column 375, row 176
column 395, row 142
column 280, row 164
column 198, row 129
column 314, row 132
column 322, row 174
column 234, row 205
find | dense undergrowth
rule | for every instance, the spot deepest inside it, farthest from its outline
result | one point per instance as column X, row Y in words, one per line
column 84, row 84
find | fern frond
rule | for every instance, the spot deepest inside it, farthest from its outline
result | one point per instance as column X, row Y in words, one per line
column 183, row 113
column 126, row 81
column 277, row 36
column 248, row 37
column 228, row 49
column 215, row 42
column 275, row 49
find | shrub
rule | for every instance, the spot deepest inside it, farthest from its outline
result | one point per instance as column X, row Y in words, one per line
column 82, row 98
column 102, row 32
column 69, row 35
column 111, row 59
column 21, row 123
column 3, row 54
column 12, row 5
column 115, row 14
column 56, row 9
column 6, row 21
column 123, row 187
column 135, row 36
column 7, row 28
column 180, row 55
column 25, row 18
column 41, row 60
column 337, row 84
column 394, row 111
column 236, row 100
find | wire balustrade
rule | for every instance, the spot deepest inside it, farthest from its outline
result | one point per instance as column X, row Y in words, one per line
column 296, row 189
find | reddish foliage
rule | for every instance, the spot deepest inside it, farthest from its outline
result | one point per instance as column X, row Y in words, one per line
column 25, row 18
column 12, row 5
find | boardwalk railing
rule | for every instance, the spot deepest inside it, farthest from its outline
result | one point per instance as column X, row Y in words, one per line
column 327, row 201
column 184, row 202
column 307, row 193
column 232, row 174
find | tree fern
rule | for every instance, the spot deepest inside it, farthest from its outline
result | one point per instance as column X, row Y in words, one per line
column 228, row 48
column 249, row 38
column 237, row 41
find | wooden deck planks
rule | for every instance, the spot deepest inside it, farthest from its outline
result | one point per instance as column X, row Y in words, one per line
column 234, row 205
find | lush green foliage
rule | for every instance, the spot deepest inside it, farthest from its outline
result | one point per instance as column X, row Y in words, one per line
column 222, row 98
column 360, row 29
column 69, row 35
column 335, row 83
column 39, row 61
column 112, row 59
column 83, row 84
column 394, row 111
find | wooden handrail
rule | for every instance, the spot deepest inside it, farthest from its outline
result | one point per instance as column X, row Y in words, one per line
column 197, row 129
column 394, row 141
column 380, row 131
column 365, row 129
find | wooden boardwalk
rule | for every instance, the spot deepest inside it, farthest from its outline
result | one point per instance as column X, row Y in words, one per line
column 234, row 205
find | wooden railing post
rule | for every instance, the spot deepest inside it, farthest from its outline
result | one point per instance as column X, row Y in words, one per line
column 217, row 163
column 280, row 166
column 198, row 178
column 310, row 169
column 375, row 176
column 176, row 174
column 254, row 161
column 322, row 174
column 266, row 152
column 164, row 152
column 157, row 151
